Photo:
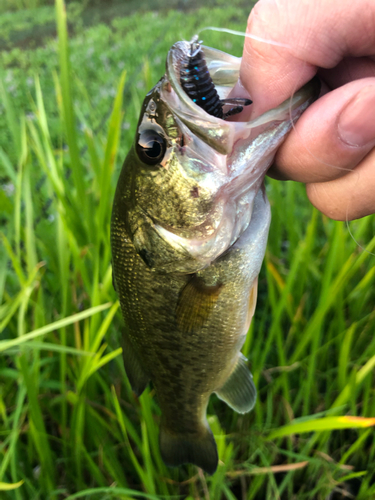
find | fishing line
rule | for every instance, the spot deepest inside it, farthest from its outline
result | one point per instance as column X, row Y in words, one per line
column 319, row 160
column 329, row 165
column 348, row 170
column 352, row 236
column 296, row 87
column 246, row 35
column 348, row 226
column 338, row 168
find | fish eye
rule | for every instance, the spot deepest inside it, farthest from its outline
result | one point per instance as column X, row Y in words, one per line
column 151, row 147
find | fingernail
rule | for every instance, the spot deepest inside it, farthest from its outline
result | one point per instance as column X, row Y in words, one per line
column 356, row 123
column 240, row 90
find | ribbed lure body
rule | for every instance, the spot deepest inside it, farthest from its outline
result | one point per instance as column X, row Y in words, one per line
column 198, row 84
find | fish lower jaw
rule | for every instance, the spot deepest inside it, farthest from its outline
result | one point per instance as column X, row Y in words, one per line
column 164, row 250
column 196, row 254
column 203, row 251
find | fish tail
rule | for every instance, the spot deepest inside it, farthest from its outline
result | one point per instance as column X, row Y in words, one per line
column 198, row 449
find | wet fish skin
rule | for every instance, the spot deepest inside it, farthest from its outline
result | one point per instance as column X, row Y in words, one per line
column 187, row 364
column 188, row 238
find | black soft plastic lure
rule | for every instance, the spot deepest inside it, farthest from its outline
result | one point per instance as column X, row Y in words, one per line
column 198, row 85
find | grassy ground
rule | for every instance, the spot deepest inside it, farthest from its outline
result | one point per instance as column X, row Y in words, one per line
column 70, row 426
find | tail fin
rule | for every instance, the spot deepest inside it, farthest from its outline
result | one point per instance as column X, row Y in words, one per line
column 198, row 449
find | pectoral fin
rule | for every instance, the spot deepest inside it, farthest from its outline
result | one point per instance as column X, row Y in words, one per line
column 137, row 377
column 252, row 303
column 195, row 304
column 239, row 390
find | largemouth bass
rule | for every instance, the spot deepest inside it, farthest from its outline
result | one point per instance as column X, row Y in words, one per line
column 189, row 229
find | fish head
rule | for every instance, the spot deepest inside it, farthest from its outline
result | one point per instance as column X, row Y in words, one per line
column 170, row 185
column 187, row 186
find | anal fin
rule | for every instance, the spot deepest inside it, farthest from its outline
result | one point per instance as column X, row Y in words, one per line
column 239, row 391
column 137, row 377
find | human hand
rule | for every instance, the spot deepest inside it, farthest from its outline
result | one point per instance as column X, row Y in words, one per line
column 331, row 148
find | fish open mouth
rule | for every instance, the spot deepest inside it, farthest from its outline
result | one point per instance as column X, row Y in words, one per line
column 245, row 150
column 224, row 70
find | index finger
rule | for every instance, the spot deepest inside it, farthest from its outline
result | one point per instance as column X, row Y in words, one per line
column 304, row 35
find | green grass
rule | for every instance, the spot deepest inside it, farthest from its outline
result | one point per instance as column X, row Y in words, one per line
column 21, row 4
column 70, row 426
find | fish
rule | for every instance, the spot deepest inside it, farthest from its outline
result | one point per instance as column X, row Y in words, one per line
column 189, row 228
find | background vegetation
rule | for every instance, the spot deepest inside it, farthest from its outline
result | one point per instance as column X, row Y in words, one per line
column 70, row 426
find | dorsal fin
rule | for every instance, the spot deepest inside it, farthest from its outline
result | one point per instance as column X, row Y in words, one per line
column 137, row 377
